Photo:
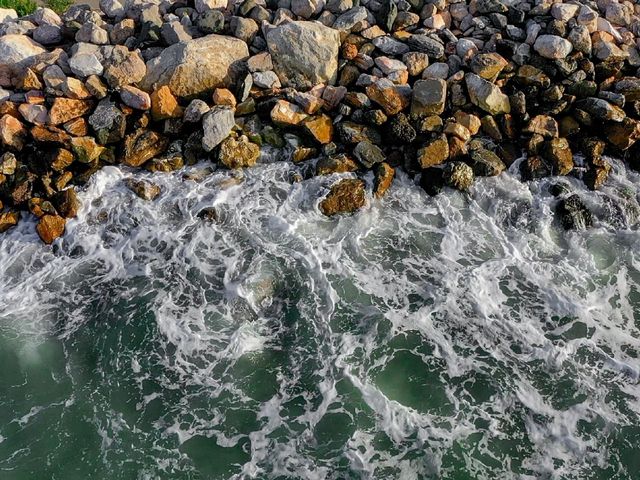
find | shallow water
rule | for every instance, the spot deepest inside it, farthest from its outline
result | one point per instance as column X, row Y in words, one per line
column 457, row 337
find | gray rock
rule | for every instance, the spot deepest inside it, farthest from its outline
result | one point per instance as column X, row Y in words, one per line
column 368, row 154
column 17, row 51
column 350, row 18
column 552, row 46
column 485, row 163
column 266, row 80
column 205, row 5
column 108, row 122
column 92, row 33
column 601, row 109
column 7, row 14
column 429, row 97
column 113, row 8
column 390, row 45
column 198, row 66
column 211, row 21
column 47, row 34
column 195, row 111
column 244, row 28
column 174, row 32
column 85, row 64
column 304, row 54
column 54, row 77
column 217, row 125
column 426, row 44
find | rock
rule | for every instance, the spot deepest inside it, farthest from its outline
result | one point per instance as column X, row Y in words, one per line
column 534, row 167
column 195, row 67
column 123, row 67
column 67, row 203
column 7, row 14
column 552, row 46
column 50, row 227
column 86, row 149
column 543, row 125
column 623, row 134
column 400, row 131
column 458, row 175
column 368, row 154
column 286, row 114
column 304, row 54
column 8, row 163
column 18, row 51
column 349, row 19
column 601, row 109
column 205, row 5
column 435, row 152
column 346, row 196
column 266, row 80
column 429, row 97
column 195, row 111
column 65, row 109
column 558, row 153
column 135, row 98
column 60, row 159
column 108, row 122
column 416, row 62
column 143, row 145
column 85, row 64
column 573, row 213
column 96, row 87
column 485, row 163
column 174, row 32
column 488, row 65
column 217, row 125
column 426, row 44
column 335, row 164
column 142, row 188
column 530, row 76
column 224, row 97
column 260, row 63
column 392, row 98
column 74, row 88
column 36, row 114
column 564, row 11
column 92, row 33
column 12, row 132
column 164, row 105
column 8, row 219
column 630, row 88
column 486, row 95
column 47, row 34
column 320, row 128
column 384, row 174
column 597, row 175
column 238, row 153
column 211, row 21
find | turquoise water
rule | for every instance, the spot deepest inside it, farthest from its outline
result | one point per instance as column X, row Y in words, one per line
column 456, row 337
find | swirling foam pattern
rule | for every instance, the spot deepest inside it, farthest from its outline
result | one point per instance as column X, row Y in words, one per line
column 456, row 337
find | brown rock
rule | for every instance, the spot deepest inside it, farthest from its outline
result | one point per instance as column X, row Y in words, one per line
column 488, row 65
column 61, row 181
column 320, row 128
column 50, row 227
column 543, row 125
column 558, row 153
column 96, row 87
column 286, row 114
column 8, row 220
column 223, row 96
column 383, row 179
column 597, row 175
column 65, row 109
column 74, row 88
column 623, row 134
column 86, row 149
column 346, row 196
column 434, row 152
column 67, row 203
column 12, row 132
column 29, row 81
column 40, row 207
column 77, row 127
column 48, row 134
column 335, row 164
column 124, row 67
column 60, row 159
column 143, row 145
column 391, row 98
column 238, row 153
column 165, row 105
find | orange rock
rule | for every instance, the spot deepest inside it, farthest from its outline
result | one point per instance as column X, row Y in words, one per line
column 286, row 113
column 65, row 109
column 223, row 96
column 384, row 174
column 8, row 220
column 29, row 81
column 320, row 128
column 50, row 227
column 390, row 98
column 12, row 132
column 60, row 159
column 164, row 104
column 86, row 149
column 43, row 134
column 77, row 127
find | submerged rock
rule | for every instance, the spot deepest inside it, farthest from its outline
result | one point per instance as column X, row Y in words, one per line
column 143, row 188
column 573, row 213
column 238, row 153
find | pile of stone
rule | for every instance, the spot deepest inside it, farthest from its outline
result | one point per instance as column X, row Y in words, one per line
column 448, row 90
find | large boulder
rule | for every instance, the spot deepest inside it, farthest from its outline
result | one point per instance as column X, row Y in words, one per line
column 16, row 52
column 304, row 54
column 195, row 67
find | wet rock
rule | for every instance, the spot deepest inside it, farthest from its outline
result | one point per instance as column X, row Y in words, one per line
column 368, row 154
column 485, row 163
column 486, row 95
column 8, row 220
column 384, row 174
column 346, row 196
column 534, row 167
column 216, row 124
column 143, row 145
column 335, row 164
column 304, row 54
column 108, row 122
column 544, row 125
column 400, row 131
column 623, row 134
column 458, row 175
column 50, row 227
column 558, row 153
column 198, row 66
column 601, row 109
column 60, row 159
column 66, row 203
column 320, row 128
column 573, row 213
column 597, row 175
column 142, row 188
column 238, row 153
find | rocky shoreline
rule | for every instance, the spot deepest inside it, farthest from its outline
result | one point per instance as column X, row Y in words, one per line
column 446, row 90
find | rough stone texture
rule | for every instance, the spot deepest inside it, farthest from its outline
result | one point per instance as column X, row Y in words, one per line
column 458, row 175
column 435, row 152
column 552, row 46
column 142, row 188
column 384, row 174
column 304, row 54
column 216, row 124
column 486, row 95
column 238, row 153
column 196, row 67
column 143, row 145
column 346, row 196
column 50, row 227
column 429, row 97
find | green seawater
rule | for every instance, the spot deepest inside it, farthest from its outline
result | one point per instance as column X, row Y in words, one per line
column 457, row 337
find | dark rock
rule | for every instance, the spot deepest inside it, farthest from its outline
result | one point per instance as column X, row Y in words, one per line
column 400, row 130
column 458, row 175
column 485, row 163
column 346, row 196
column 368, row 154
column 573, row 213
